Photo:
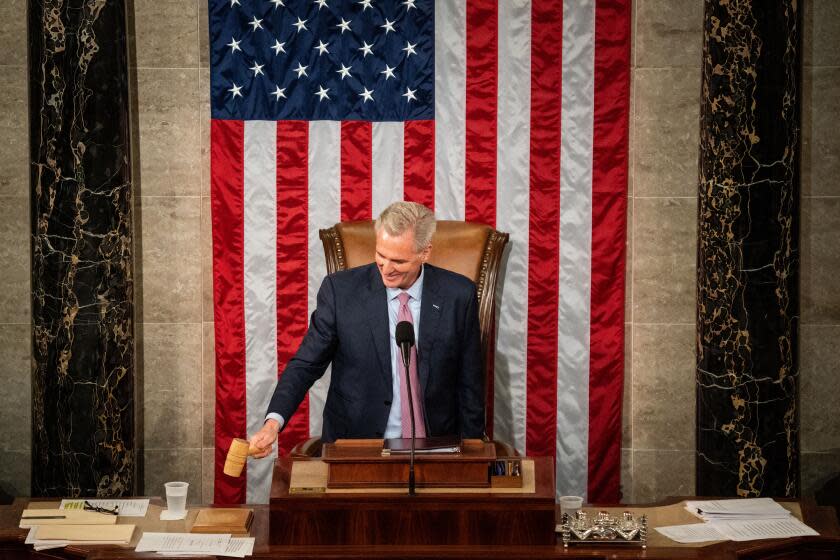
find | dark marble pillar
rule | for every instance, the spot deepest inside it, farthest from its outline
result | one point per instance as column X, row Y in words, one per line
column 82, row 294
column 748, row 250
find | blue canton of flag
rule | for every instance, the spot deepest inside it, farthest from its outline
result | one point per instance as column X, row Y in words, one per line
column 370, row 60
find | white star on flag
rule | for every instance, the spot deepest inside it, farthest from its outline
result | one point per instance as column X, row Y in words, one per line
column 367, row 94
column 409, row 95
column 389, row 72
column 365, row 4
column 409, row 4
column 321, row 4
column 344, row 25
column 257, row 69
column 366, row 49
column 234, row 3
column 322, row 48
column 278, row 93
column 255, row 23
column 409, row 49
column 235, row 90
column 278, row 47
column 234, row 45
column 301, row 25
column 322, row 93
column 389, row 26
column 277, row 3
column 344, row 71
column 301, row 70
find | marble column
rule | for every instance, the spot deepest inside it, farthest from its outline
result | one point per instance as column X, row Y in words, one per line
column 748, row 250
column 83, row 380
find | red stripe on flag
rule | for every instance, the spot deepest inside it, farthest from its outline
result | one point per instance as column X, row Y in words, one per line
column 292, row 258
column 609, row 217
column 481, row 105
column 356, row 170
column 227, row 179
column 544, row 229
column 419, row 162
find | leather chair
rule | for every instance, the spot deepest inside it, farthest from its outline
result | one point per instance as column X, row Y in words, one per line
column 472, row 249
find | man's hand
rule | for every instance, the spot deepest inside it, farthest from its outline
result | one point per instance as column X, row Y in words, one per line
column 265, row 438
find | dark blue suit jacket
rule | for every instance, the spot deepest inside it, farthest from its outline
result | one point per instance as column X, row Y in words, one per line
column 349, row 328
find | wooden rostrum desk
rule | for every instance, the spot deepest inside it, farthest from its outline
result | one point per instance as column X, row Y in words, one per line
column 823, row 519
column 434, row 516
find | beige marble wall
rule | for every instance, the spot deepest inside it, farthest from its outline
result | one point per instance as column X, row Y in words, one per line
column 174, row 264
column 659, row 402
column 173, row 206
column 820, row 300
column 15, row 435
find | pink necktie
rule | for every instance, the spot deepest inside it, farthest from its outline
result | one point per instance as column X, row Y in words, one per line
column 404, row 314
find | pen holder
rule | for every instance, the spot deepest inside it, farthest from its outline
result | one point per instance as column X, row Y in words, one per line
column 506, row 473
column 236, row 456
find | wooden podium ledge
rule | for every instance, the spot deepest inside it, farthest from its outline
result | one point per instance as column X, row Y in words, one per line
column 310, row 477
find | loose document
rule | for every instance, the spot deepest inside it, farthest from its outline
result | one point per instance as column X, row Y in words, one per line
column 127, row 508
column 181, row 544
column 743, row 519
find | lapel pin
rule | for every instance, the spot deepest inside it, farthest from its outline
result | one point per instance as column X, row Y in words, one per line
column 436, row 306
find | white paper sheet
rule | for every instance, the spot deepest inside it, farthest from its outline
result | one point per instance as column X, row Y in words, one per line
column 183, row 542
column 694, row 533
column 763, row 529
column 238, row 547
column 128, row 508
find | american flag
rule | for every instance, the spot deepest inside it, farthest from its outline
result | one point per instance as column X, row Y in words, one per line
column 508, row 112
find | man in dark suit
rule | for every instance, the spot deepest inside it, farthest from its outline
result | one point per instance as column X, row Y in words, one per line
column 353, row 328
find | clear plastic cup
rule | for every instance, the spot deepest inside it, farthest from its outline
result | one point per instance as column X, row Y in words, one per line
column 570, row 505
column 176, row 497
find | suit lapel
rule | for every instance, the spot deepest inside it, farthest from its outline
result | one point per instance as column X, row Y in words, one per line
column 430, row 309
column 376, row 305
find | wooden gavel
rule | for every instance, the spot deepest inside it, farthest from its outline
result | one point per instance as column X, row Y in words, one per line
column 237, row 455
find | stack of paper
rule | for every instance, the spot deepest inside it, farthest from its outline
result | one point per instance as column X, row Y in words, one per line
column 741, row 509
column 55, row 536
column 42, row 545
column 738, row 520
column 53, row 528
column 182, row 544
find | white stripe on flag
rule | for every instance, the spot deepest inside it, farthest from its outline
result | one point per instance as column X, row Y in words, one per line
column 324, row 212
column 512, row 215
column 387, row 164
column 260, row 275
column 575, row 246
column 450, row 108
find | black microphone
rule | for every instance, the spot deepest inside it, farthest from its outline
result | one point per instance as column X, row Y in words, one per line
column 404, row 335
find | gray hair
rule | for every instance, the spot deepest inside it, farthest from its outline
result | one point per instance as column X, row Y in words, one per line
column 399, row 217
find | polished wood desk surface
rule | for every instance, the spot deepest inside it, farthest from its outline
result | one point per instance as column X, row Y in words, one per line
column 822, row 519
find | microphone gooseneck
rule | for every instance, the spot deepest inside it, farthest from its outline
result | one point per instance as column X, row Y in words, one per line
column 404, row 336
